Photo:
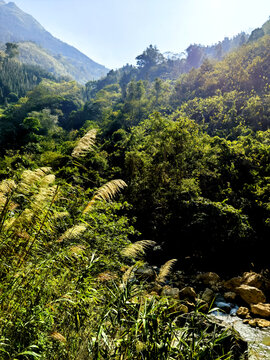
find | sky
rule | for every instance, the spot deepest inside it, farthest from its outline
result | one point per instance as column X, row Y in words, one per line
column 114, row 32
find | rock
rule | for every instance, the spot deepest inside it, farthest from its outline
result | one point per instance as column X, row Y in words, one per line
column 243, row 312
column 233, row 283
column 170, row 292
column 253, row 279
column 146, row 273
column 260, row 309
column 208, row 295
column 209, row 278
column 262, row 323
column 230, row 296
column 187, row 293
column 250, row 294
column 258, row 322
column 252, row 322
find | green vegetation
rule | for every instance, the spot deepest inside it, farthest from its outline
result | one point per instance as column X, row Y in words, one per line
column 55, row 56
column 87, row 173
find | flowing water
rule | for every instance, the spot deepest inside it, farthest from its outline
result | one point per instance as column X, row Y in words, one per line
column 258, row 339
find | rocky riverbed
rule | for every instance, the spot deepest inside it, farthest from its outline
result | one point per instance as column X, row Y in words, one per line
column 241, row 303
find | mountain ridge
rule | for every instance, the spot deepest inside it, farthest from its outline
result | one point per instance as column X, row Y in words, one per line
column 18, row 26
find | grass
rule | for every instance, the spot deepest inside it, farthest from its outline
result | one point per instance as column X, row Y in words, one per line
column 62, row 291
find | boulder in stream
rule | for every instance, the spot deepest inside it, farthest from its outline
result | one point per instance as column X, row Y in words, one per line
column 260, row 309
column 250, row 294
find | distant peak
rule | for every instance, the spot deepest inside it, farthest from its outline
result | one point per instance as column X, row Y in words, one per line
column 2, row 2
column 11, row 4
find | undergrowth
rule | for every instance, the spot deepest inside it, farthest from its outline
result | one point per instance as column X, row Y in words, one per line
column 69, row 288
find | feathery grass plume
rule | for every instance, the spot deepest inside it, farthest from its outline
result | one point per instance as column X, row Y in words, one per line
column 25, row 218
column 47, row 180
column 73, row 232
column 137, row 249
column 3, row 200
column 165, row 270
column 30, row 178
column 44, row 197
column 60, row 215
column 106, row 192
column 57, row 336
column 129, row 273
column 77, row 250
column 6, row 186
column 85, row 144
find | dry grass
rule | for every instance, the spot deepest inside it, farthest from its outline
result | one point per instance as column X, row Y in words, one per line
column 165, row 270
column 137, row 249
column 106, row 192
column 85, row 144
column 73, row 233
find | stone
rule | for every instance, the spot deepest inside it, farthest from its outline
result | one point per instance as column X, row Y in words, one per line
column 146, row 273
column 253, row 279
column 233, row 283
column 262, row 323
column 209, row 278
column 243, row 312
column 187, row 293
column 230, row 296
column 250, row 294
column 170, row 292
column 208, row 295
column 252, row 322
column 260, row 309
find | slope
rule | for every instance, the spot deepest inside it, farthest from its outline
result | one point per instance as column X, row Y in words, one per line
column 17, row 26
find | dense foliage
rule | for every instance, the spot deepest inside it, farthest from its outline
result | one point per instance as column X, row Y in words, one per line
column 193, row 155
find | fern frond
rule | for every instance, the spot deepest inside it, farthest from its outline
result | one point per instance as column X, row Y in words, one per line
column 137, row 249
column 73, row 232
column 107, row 192
column 165, row 270
column 85, row 144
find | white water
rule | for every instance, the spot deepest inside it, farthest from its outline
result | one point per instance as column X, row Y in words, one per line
column 255, row 337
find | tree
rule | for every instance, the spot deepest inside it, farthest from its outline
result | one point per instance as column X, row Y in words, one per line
column 150, row 57
column 194, row 56
column 256, row 34
column 12, row 50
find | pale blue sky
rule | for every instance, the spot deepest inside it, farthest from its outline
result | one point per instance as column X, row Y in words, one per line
column 114, row 32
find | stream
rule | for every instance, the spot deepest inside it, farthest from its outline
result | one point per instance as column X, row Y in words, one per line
column 258, row 339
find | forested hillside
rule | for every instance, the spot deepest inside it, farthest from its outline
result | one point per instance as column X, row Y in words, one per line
column 52, row 54
column 88, row 173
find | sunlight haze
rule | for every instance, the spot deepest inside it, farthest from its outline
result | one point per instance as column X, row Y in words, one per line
column 114, row 32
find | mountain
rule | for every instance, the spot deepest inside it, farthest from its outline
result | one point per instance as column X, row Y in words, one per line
column 46, row 50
